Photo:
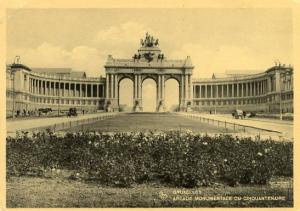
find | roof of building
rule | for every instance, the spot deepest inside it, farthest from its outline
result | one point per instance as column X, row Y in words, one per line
column 78, row 74
column 68, row 72
column 52, row 70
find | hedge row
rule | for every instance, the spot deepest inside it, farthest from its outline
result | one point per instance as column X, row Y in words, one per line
column 177, row 158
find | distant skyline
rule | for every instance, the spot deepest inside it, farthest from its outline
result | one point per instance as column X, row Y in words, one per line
column 218, row 40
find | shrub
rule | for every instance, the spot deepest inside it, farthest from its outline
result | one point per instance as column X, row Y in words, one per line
column 177, row 158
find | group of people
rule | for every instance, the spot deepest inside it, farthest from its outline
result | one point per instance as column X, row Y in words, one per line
column 24, row 113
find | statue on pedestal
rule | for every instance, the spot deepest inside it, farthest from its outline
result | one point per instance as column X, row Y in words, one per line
column 149, row 41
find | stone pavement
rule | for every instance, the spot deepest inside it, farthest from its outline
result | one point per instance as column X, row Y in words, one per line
column 282, row 126
column 26, row 124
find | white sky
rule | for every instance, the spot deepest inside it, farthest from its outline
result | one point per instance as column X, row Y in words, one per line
column 216, row 39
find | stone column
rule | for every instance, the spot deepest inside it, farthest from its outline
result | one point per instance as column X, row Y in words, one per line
column 37, row 86
column 159, row 88
column 140, row 91
column 182, row 90
column 92, row 90
column 180, row 94
column 191, row 89
column 163, row 87
column 200, row 91
column 140, row 86
column 186, row 87
column 206, row 92
column 112, row 85
column 227, row 90
column 75, row 94
column 243, row 88
column 116, row 87
column 41, row 87
column 107, row 86
column 97, row 90
column 255, row 90
column 134, row 87
column 222, row 91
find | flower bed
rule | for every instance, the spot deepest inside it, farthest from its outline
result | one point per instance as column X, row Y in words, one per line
column 177, row 158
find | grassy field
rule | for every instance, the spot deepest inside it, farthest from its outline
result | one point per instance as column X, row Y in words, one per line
column 59, row 192
column 149, row 121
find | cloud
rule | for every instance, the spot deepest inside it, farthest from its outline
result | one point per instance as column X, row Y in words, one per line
column 120, row 41
column 83, row 58
column 227, row 58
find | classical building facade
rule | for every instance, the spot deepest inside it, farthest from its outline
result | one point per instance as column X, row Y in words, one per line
column 268, row 91
column 148, row 62
column 61, row 88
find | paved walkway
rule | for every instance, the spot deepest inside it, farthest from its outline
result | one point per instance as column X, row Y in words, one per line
column 284, row 127
column 25, row 124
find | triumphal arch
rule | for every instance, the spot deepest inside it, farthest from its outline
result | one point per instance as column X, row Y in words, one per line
column 148, row 62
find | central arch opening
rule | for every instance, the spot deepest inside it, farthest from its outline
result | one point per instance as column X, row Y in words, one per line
column 126, row 95
column 149, row 95
column 171, row 95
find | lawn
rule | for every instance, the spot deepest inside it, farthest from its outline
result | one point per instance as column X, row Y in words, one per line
column 149, row 121
column 60, row 192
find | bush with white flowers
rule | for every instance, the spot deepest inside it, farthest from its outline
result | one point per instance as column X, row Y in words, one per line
column 177, row 158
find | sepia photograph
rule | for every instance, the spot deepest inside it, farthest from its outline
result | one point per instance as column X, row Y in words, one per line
column 149, row 107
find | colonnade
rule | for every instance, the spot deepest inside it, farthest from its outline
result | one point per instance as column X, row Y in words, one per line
column 66, row 89
column 242, row 89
